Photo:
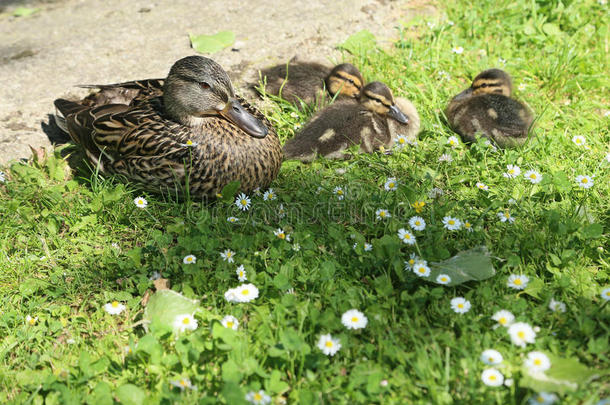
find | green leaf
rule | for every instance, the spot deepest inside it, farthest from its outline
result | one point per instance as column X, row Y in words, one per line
column 212, row 43
column 230, row 190
column 165, row 305
column 593, row 231
column 551, row 30
column 534, row 287
column 359, row 43
column 231, row 371
column 276, row 385
column 130, row 394
column 472, row 264
column 101, row 394
column 293, row 341
column 24, row 11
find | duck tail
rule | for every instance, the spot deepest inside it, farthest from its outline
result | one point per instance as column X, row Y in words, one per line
column 65, row 108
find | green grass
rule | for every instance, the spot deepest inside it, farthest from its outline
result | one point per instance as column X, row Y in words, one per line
column 72, row 243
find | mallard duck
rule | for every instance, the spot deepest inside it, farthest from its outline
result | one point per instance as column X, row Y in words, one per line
column 189, row 129
column 371, row 122
column 486, row 108
column 309, row 82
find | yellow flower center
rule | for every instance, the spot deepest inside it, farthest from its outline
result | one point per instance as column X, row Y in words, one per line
column 537, row 362
column 229, row 324
column 340, row 192
column 491, row 359
column 258, row 397
column 382, row 214
column 354, row 319
column 511, row 171
column 391, row 185
column 502, row 321
column 518, row 281
column 241, row 274
column 533, row 176
column 467, row 225
column 443, row 279
column 218, row 195
column 244, row 202
column 229, row 254
column 506, row 214
column 186, row 320
column 407, row 236
column 451, row 222
column 460, row 305
column 184, row 383
column 412, row 262
column 521, row 334
column 539, row 399
column 401, row 140
column 245, row 292
column 451, row 142
column 422, row 270
column 492, row 377
column 417, row 223
column 281, row 235
column 328, row 343
column 584, row 180
column 189, row 142
column 32, row 321
column 115, row 304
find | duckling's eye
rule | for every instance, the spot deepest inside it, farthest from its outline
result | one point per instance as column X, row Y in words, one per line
column 204, row 85
column 351, row 81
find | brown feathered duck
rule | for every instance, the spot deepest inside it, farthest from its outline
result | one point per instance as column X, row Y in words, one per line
column 371, row 122
column 189, row 129
column 487, row 109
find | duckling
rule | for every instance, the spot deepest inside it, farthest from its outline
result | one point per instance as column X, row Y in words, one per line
column 188, row 130
column 371, row 122
column 486, row 108
column 309, row 82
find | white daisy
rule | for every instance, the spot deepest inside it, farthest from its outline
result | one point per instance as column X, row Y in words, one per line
column 269, row 195
column 228, row 256
column 509, row 382
column 281, row 212
column 354, row 319
column 436, row 192
column 512, row 171
column 183, row 383
column 537, row 362
column 468, row 225
column 230, row 322
column 258, row 398
column 232, row 220
column 444, row 75
column 579, row 140
column 185, row 322
column 492, row 377
column 491, row 357
column 246, row 293
column 482, row 186
column 417, row 223
column 460, row 305
column 31, row 321
column 605, row 294
column 557, row 306
column 458, row 50
column 452, row 224
column 453, row 141
column 230, row 295
column 339, row 192
column 329, row 345
column 522, row 86
column 421, row 269
column 584, row 181
column 189, row 259
column 411, row 262
column 114, row 308
column 296, row 247
column 443, row 279
column 400, row 141
column 406, row 236
column 502, row 61
column 504, row 318
column 140, row 202
column 391, row 184
column 242, row 202
column 543, row 398
column 368, row 247
column 445, row 157
column 533, row 176
column 382, row 214
column 241, row 273
column 189, row 144
column 517, row 281
column 506, row 217
column 279, row 232
column 521, row 333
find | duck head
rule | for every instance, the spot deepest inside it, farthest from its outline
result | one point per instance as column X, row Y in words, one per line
column 490, row 81
column 377, row 97
column 345, row 79
column 197, row 87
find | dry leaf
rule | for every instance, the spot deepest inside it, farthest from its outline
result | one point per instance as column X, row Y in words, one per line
column 161, row 284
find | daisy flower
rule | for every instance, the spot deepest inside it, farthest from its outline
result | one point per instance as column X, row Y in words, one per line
column 606, row 294
column 189, row 259
column 457, row 50
column 452, row 224
column 503, row 317
column 482, row 186
column 537, row 362
column 453, row 141
column 232, row 220
column 421, row 269
column 445, row 157
column 296, row 247
column 468, row 226
column 444, row 75
column 460, row 305
column 185, row 322
column 242, row 202
column 492, row 377
column 339, row 192
column 246, row 293
column 502, row 61
column 183, row 383
column 584, row 181
column 436, row 192
column 517, row 281
column 368, row 247
column 505, row 217
column 258, row 398
column 521, row 333
column 329, row 345
column 417, row 223
column 491, row 357
column 400, row 141
column 227, row 256
column 512, row 171
column 406, row 236
column 533, row 176
column 269, row 195
column 29, row 320
column 281, row 212
column 522, row 86
column 230, row 295
column 443, row 279
column 189, row 144
column 140, row 202
column 391, row 184
column 241, row 273
column 411, row 262
column 543, row 398
column 382, row 213
column 230, row 322
column 579, row 140
column 557, row 306
column 354, row 319
column 279, row 232
column 114, row 308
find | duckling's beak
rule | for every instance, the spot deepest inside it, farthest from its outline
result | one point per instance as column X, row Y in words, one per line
column 398, row 115
column 237, row 114
column 466, row 93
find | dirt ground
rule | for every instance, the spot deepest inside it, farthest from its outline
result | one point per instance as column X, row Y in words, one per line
column 70, row 42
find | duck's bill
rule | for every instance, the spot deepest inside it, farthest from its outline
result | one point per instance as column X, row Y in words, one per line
column 239, row 116
column 398, row 115
column 463, row 94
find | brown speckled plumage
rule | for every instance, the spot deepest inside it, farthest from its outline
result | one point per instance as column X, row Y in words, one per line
column 148, row 146
column 487, row 109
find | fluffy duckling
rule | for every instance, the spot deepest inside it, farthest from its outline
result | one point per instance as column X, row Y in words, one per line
column 309, row 81
column 188, row 130
column 486, row 108
column 371, row 122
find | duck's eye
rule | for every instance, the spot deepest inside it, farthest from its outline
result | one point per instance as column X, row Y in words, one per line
column 204, row 85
